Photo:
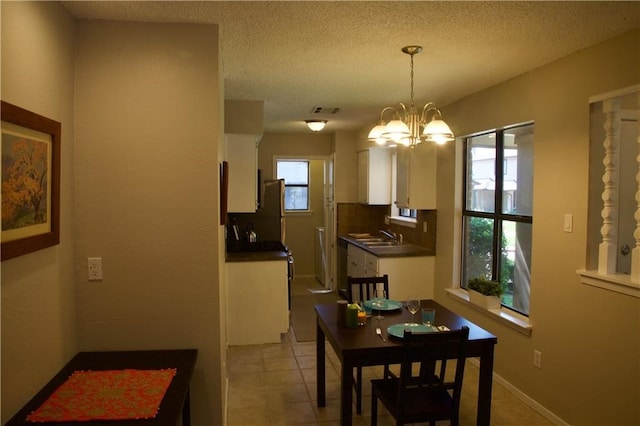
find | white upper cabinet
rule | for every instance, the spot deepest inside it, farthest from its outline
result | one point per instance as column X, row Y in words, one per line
column 242, row 156
column 416, row 177
column 374, row 176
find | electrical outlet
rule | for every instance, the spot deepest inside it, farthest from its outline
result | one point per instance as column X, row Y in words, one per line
column 94, row 265
column 537, row 359
column 386, row 219
column 424, row 226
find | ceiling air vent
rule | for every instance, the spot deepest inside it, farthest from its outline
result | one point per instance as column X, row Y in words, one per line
column 325, row 110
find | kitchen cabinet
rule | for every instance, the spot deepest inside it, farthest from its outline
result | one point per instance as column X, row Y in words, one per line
column 360, row 263
column 416, row 177
column 258, row 307
column 242, row 157
column 409, row 276
column 374, row 176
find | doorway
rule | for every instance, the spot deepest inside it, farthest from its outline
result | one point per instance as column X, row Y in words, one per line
column 310, row 233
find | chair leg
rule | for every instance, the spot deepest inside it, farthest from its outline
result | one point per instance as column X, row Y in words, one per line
column 374, row 409
column 359, row 390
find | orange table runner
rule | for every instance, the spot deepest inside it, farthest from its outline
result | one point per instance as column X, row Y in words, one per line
column 106, row 395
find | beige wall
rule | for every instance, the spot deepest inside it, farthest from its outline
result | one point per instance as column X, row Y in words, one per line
column 346, row 167
column 588, row 337
column 147, row 150
column 244, row 117
column 38, row 289
column 139, row 189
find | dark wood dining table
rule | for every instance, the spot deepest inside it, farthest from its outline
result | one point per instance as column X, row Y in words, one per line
column 174, row 405
column 361, row 346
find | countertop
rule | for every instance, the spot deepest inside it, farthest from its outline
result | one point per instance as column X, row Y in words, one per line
column 255, row 252
column 256, row 256
column 399, row 250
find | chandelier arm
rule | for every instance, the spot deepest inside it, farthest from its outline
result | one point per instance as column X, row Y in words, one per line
column 430, row 106
column 385, row 109
column 404, row 112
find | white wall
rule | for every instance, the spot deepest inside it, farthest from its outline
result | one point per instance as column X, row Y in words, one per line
column 38, row 289
column 148, row 131
column 588, row 336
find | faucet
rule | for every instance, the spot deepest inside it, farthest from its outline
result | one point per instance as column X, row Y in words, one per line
column 389, row 234
column 392, row 235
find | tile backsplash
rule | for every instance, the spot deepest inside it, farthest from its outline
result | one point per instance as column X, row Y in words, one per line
column 361, row 218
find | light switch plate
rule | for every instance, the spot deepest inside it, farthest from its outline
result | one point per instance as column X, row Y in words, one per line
column 568, row 222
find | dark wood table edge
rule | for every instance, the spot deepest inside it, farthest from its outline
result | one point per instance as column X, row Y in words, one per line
column 176, row 399
column 482, row 348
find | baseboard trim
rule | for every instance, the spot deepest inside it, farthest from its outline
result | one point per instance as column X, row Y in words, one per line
column 524, row 397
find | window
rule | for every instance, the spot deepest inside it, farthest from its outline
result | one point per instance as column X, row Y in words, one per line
column 497, row 212
column 296, row 183
column 412, row 213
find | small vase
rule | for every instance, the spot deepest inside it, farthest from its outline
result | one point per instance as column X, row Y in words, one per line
column 486, row 302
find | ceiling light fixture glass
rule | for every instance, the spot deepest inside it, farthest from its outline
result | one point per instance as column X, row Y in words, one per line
column 409, row 125
column 316, row 125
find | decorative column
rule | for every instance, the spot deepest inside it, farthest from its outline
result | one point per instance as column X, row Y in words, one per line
column 635, row 253
column 607, row 252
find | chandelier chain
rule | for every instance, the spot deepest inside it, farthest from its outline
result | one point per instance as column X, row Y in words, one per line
column 412, row 80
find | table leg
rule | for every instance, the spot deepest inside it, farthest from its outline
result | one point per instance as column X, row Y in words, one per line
column 186, row 411
column 346, row 395
column 320, row 367
column 485, row 383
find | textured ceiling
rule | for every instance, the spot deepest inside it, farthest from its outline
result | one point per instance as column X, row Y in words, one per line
column 298, row 55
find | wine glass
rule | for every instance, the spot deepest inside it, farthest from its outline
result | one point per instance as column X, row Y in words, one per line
column 379, row 303
column 413, row 305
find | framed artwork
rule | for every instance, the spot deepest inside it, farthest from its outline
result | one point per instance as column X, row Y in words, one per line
column 224, row 190
column 30, row 181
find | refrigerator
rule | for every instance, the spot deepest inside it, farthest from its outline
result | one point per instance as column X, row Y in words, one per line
column 271, row 211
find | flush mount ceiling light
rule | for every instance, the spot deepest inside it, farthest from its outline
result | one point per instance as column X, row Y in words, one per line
column 409, row 125
column 316, row 125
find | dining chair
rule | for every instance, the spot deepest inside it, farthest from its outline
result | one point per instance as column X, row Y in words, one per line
column 421, row 395
column 362, row 289
column 365, row 287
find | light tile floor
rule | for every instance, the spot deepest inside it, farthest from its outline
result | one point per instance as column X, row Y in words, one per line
column 275, row 384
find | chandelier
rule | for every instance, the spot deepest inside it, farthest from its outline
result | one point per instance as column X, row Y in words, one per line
column 409, row 125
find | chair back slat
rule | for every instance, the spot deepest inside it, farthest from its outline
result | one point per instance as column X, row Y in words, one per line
column 364, row 288
column 428, row 350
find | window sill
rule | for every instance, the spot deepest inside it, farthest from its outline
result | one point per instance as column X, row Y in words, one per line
column 512, row 319
column 619, row 283
column 298, row 212
column 404, row 221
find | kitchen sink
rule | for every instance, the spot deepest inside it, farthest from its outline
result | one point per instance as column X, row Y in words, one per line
column 381, row 243
column 370, row 240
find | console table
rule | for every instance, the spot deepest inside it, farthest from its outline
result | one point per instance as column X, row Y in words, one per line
column 174, row 404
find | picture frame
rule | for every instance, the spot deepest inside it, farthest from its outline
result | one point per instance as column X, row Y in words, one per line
column 30, row 181
column 224, row 190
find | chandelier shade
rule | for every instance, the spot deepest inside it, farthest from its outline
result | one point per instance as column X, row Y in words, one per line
column 437, row 131
column 408, row 125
